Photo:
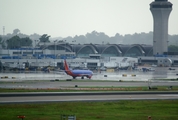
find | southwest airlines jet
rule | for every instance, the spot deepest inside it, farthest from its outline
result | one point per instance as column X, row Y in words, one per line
column 77, row 73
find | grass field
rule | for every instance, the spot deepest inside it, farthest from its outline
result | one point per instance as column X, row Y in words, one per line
column 120, row 110
column 88, row 88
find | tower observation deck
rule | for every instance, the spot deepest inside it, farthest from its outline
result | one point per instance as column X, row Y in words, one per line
column 160, row 10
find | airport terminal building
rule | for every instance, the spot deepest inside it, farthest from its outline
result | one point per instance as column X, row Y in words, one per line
column 92, row 55
column 77, row 50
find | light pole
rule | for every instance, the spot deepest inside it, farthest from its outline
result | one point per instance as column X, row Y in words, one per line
column 74, row 47
column 64, row 42
column 8, row 47
column 55, row 57
column 18, row 56
column 65, row 47
column 26, row 49
column 35, row 46
column 44, row 49
column 55, row 48
column 36, row 55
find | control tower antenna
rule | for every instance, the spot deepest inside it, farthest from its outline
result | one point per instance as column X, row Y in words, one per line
column 160, row 10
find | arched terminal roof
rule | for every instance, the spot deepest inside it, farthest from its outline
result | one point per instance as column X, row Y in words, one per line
column 133, row 50
column 111, row 51
column 106, row 50
column 85, row 50
column 148, row 49
column 66, row 47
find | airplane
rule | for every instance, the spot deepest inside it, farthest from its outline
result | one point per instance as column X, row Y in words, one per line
column 77, row 73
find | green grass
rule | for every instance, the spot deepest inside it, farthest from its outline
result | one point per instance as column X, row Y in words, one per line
column 87, row 88
column 120, row 110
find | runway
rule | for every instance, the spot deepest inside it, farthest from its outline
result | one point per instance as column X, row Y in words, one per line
column 125, row 75
column 97, row 96
column 103, row 79
column 72, row 84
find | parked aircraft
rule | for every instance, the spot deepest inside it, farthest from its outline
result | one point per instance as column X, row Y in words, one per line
column 77, row 73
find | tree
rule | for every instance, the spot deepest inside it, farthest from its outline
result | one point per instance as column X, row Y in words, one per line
column 2, row 43
column 13, row 42
column 26, row 41
column 16, row 31
column 44, row 38
column 17, row 42
column 173, row 48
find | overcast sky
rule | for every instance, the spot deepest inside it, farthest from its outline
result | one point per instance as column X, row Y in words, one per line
column 62, row 18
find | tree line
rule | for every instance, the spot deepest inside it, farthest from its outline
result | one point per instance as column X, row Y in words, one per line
column 17, row 39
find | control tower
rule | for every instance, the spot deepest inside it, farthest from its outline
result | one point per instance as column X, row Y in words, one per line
column 160, row 10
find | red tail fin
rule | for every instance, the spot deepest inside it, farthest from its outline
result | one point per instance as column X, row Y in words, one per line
column 66, row 66
column 67, row 70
